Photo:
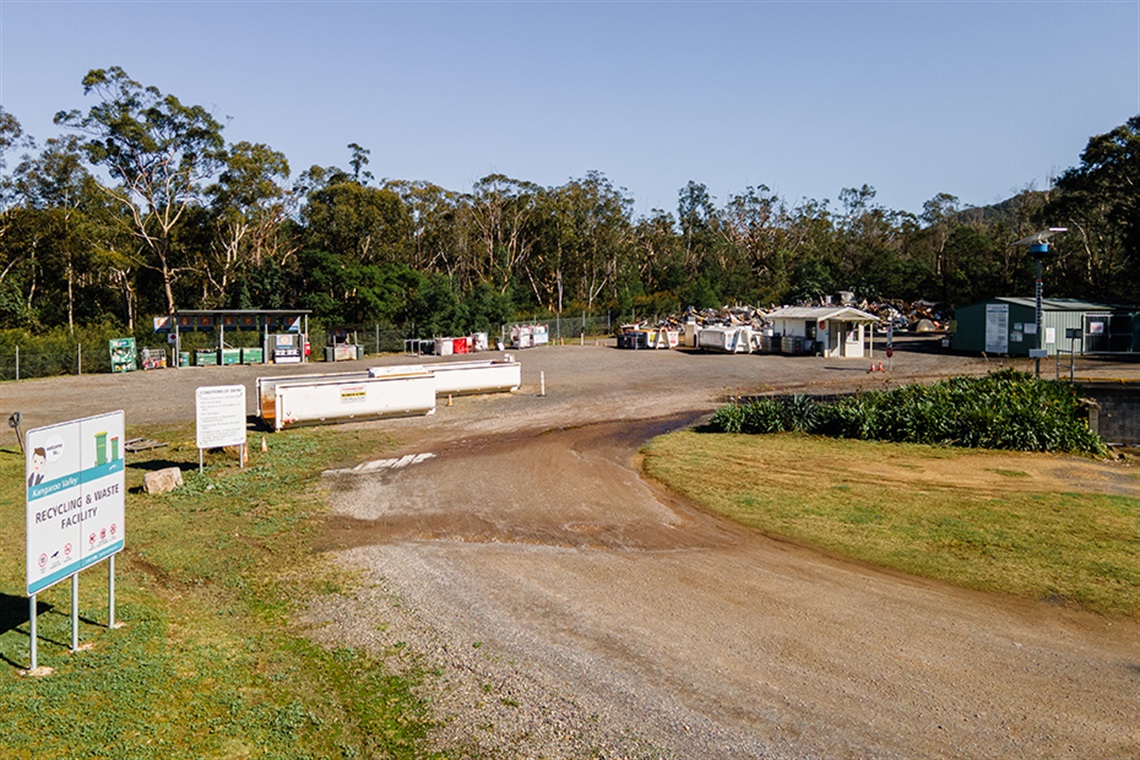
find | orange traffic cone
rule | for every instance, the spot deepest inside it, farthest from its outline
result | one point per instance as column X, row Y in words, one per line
column 264, row 448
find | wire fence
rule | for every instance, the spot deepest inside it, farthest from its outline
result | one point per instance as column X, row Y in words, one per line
column 76, row 358
column 17, row 365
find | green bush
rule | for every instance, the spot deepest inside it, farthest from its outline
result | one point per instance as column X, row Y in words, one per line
column 1003, row 410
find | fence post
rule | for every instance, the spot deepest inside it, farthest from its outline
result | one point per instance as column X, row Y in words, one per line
column 79, row 359
column 17, row 362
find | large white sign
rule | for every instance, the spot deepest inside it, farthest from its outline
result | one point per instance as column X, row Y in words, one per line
column 220, row 412
column 75, row 497
column 997, row 328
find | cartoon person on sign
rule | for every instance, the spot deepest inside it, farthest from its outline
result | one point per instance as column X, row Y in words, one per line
column 39, row 458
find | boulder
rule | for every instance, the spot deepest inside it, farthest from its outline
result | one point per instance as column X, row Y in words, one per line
column 161, row 481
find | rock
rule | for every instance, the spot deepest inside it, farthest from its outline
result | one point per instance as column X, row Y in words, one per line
column 161, row 481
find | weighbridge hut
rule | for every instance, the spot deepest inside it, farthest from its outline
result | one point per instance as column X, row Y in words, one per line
column 833, row 331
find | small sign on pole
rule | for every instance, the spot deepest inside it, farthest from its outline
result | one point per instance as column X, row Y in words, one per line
column 220, row 418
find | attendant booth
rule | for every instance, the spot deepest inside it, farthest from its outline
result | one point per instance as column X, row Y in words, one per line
column 280, row 336
column 834, row 332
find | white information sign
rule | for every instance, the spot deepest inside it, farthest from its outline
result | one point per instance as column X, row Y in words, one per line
column 75, row 497
column 220, row 414
column 997, row 328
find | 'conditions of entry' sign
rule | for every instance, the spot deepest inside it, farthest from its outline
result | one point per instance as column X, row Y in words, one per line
column 220, row 414
column 75, row 497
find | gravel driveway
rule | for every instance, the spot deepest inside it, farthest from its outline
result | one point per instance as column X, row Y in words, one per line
column 574, row 610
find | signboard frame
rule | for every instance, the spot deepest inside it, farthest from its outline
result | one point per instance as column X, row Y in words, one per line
column 220, row 418
column 75, row 497
column 75, row 508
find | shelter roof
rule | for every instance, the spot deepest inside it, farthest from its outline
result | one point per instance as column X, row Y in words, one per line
column 1058, row 304
column 241, row 312
column 821, row 313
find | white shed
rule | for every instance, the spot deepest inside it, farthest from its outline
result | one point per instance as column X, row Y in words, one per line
column 835, row 331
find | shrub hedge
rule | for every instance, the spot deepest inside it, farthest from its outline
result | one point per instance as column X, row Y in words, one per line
column 1003, row 410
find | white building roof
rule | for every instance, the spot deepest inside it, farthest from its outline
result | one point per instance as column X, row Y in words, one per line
column 822, row 313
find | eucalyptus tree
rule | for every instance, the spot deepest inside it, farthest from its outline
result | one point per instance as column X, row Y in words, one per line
column 502, row 212
column 358, row 160
column 753, row 225
column 12, row 139
column 363, row 225
column 437, row 242
column 249, row 204
column 699, row 222
column 1099, row 201
column 58, row 194
column 659, row 256
column 599, row 234
column 812, row 250
column 940, row 215
column 159, row 153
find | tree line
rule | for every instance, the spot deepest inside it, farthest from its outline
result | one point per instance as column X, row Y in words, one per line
column 140, row 207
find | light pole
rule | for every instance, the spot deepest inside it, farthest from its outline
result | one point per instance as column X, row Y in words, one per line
column 1038, row 244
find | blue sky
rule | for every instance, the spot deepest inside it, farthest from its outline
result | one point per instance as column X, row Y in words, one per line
column 977, row 99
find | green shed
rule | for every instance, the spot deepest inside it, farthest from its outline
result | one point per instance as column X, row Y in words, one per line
column 1008, row 326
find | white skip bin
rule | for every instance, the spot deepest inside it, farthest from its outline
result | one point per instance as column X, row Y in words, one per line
column 464, row 378
column 733, row 340
column 395, row 392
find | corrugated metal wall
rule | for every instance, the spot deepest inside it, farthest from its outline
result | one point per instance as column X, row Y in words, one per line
column 971, row 328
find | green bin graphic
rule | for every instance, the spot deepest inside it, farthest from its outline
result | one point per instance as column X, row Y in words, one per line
column 101, row 448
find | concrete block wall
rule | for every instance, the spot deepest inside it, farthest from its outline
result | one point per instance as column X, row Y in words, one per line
column 1119, row 413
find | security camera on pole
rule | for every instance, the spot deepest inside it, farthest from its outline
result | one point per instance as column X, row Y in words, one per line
column 1038, row 244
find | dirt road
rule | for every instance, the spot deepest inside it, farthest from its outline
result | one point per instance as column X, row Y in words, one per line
column 574, row 610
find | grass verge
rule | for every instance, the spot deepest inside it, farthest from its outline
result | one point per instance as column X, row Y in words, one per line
column 973, row 518
column 207, row 663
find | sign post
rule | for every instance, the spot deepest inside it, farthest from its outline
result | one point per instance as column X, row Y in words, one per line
column 220, row 419
column 890, row 345
column 75, row 505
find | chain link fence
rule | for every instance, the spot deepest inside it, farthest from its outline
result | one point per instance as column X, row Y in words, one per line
column 17, row 364
column 76, row 358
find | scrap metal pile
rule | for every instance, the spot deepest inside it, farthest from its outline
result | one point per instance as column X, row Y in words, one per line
column 919, row 316
column 743, row 328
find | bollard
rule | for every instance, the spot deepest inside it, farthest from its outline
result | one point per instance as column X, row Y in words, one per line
column 542, row 383
column 449, row 399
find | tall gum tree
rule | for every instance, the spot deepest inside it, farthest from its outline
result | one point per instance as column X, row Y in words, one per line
column 159, row 150
column 250, row 203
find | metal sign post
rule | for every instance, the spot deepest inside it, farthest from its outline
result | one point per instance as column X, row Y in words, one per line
column 32, row 630
column 1038, row 244
column 890, row 345
column 111, row 592
column 75, row 613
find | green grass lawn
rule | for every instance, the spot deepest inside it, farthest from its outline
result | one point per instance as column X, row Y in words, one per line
column 963, row 516
column 207, row 663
